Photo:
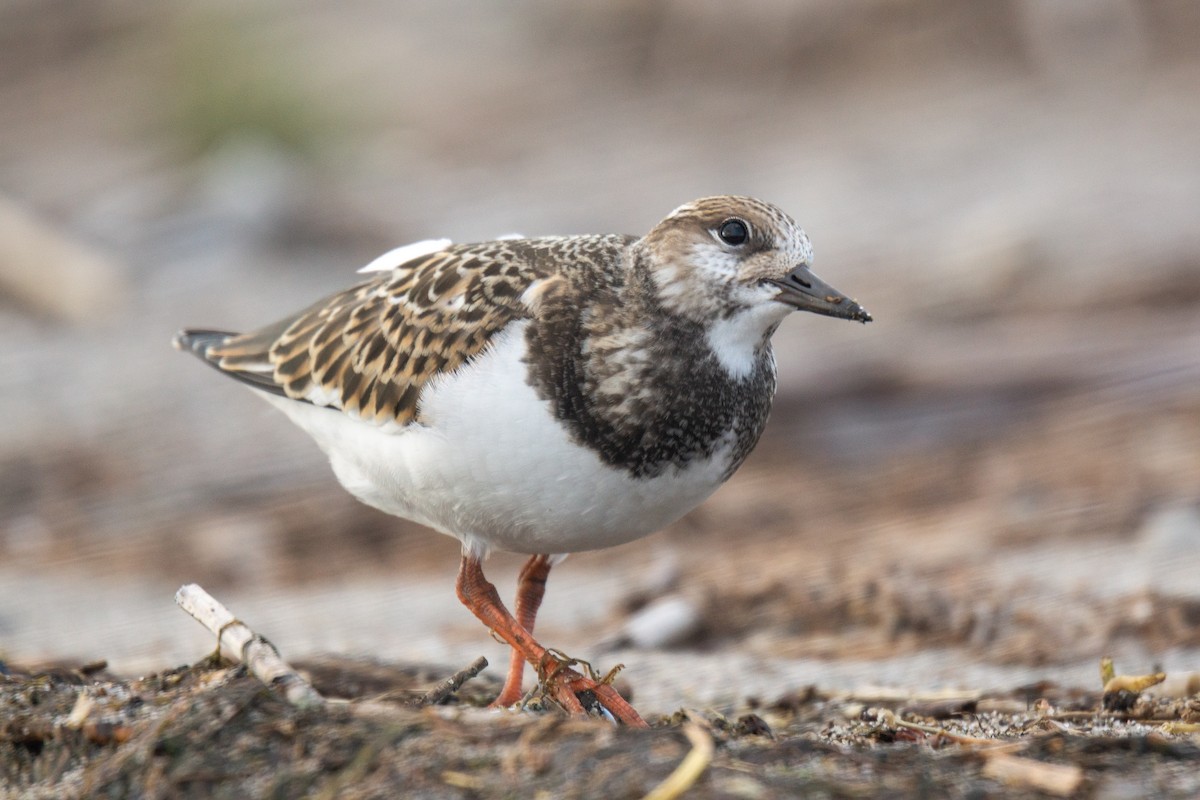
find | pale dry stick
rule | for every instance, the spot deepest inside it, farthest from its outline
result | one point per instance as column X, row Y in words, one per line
column 238, row 643
column 884, row 694
column 890, row 718
column 43, row 268
column 452, row 684
column 1060, row 780
column 1133, row 683
column 690, row 769
column 1000, row 763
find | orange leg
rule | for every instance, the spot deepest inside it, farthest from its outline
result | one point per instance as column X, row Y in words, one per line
column 479, row 595
column 531, row 585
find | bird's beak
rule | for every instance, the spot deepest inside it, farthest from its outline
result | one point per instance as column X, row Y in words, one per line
column 805, row 291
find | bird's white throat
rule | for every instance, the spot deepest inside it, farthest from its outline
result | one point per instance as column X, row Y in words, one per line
column 737, row 339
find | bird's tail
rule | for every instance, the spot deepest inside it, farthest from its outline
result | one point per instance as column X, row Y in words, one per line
column 246, row 362
column 200, row 342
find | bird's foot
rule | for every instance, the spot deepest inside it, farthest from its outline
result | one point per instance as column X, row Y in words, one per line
column 564, row 685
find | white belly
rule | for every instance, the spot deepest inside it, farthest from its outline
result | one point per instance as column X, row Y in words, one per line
column 492, row 466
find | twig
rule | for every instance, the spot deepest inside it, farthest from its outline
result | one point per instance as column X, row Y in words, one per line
column 883, row 694
column 1000, row 763
column 1133, row 683
column 889, row 718
column 1061, row 780
column 452, row 684
column 690, row 769
column 238, row 643
column 50, row 272
column 956, row 738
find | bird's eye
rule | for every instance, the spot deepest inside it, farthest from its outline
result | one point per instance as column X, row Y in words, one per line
column 733, row 232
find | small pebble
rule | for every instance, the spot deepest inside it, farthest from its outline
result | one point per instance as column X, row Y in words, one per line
column 666, row 622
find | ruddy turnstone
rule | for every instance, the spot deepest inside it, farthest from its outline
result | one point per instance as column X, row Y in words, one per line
column 543, row 396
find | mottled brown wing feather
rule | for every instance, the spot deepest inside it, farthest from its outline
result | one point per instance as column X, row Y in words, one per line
column 370, row 349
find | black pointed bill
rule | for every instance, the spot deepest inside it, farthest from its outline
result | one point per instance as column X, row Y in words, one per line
column 806, row 292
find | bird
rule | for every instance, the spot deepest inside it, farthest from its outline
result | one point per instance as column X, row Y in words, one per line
column 543, row 396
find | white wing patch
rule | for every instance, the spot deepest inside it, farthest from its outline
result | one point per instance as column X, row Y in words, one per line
column 400, row 256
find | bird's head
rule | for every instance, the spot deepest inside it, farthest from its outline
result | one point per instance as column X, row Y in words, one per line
column 726, row 256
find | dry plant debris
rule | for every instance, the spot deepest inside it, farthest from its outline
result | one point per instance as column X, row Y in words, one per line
column 214, row 730
column 356, row 729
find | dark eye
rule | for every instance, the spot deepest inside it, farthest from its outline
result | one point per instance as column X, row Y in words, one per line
column 733, row 232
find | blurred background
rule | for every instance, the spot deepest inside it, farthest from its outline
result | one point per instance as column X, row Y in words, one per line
column 996, row 482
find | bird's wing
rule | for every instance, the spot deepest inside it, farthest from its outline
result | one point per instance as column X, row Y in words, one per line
column 370, row 349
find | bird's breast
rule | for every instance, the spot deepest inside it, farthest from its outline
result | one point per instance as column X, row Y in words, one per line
column 494, row 463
